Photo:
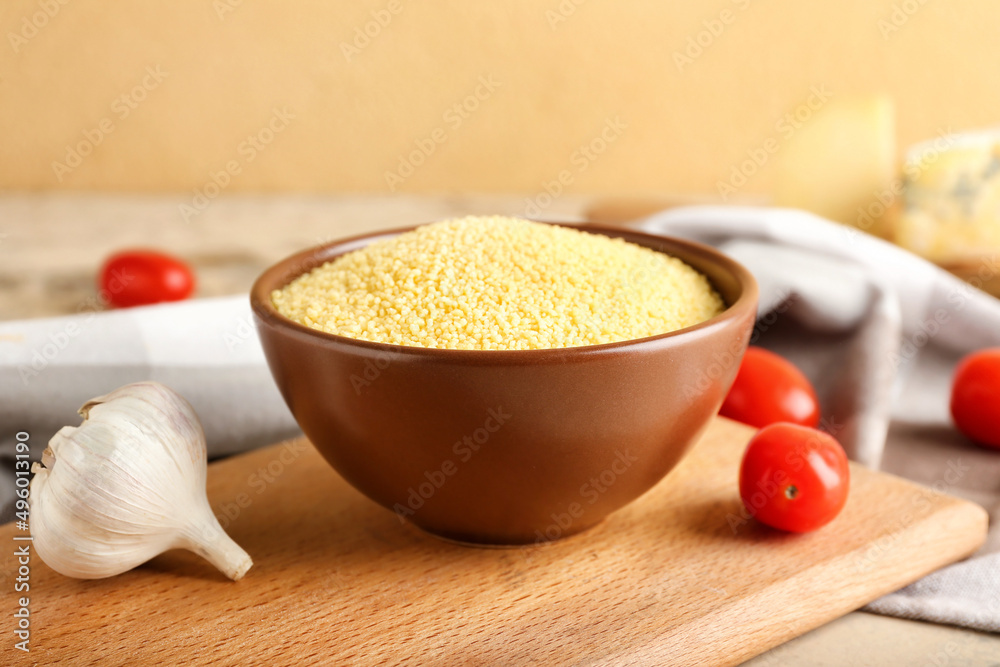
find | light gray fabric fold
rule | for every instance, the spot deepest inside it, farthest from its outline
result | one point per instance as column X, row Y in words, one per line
column 206, row 350
column 878, row 330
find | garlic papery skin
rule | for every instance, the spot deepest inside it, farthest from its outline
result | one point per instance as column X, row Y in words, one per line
column 127, row 485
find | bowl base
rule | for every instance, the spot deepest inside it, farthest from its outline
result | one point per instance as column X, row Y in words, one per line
column 484, row 543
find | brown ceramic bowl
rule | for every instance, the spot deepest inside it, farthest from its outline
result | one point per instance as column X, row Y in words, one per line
column 507, row 447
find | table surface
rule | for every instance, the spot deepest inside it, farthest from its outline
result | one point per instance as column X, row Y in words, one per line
column 666, row 580
column 52, row 245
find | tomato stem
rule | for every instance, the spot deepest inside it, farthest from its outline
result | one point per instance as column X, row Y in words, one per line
column 791, row 491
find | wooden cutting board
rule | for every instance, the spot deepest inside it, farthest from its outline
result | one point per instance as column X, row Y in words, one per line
column 338, row 580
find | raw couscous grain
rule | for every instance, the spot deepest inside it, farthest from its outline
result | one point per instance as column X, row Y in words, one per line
column 497, row 283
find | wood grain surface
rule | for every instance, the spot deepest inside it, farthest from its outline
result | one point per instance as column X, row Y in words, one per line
column 673, row 579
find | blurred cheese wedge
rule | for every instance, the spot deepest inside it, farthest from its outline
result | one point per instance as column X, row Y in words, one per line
column 841, row 163
column 951, row 198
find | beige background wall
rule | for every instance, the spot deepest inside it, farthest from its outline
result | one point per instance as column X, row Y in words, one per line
column 225, row 67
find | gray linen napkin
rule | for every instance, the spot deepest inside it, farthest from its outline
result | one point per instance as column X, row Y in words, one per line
column 206, row 350
column 878, row 330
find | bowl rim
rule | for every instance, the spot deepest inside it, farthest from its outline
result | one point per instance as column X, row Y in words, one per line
column 315, row 256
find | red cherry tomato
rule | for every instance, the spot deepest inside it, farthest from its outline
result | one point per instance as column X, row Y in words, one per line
column 975, row 397
column 769, row 389
column 142, row 277
column 794, row 478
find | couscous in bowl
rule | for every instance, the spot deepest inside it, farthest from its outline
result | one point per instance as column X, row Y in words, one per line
column 509, row 446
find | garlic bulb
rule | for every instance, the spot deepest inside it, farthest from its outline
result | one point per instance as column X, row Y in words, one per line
column 127, row 485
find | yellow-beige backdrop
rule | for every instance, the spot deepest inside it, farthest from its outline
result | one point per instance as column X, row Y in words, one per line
column 630, row 97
